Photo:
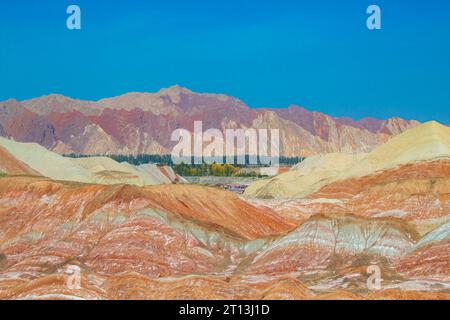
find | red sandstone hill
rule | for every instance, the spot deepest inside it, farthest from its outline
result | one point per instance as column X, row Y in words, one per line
column 161, row 231
column 414, row 192
column 143, row 122
column 192, row 242
column 417, row 193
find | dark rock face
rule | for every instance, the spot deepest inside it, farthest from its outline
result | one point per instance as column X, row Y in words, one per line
column 25, row 126
column 2, row 132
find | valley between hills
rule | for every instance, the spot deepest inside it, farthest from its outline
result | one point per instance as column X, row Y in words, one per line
column 370, row 193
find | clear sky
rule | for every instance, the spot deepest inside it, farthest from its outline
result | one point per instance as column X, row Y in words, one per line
column 318, row 54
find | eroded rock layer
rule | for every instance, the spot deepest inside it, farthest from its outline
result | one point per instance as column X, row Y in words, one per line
column 192, row 242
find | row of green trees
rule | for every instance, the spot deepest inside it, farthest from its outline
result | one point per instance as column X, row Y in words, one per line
column 164, row 160
column 167, row 159
column 215, row 169
column 219, row 170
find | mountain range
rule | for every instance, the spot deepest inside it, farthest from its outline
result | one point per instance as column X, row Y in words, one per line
column 138, row 123
column 133, row 232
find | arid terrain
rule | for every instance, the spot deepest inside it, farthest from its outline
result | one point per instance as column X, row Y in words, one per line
column 373, row 195
column 138, row 123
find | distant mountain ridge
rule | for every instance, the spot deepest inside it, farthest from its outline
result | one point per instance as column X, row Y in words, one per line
column 137, row 123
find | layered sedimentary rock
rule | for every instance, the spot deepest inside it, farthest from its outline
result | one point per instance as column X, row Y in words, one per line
column 157, row 231
column 10, row 165
column 137, row 123
column 324, row 240
column 417, row 193
column 40, row 161
column 138, row 287
column 430, row 256
column 192, row 242
column 47, row 163
column 403, row 186
column 74, row 240
column 414, row 192
column 429, row 141
column 26, row 126
column 108, row 171
column 306, row 177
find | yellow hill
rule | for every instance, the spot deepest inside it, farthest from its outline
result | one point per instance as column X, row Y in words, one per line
column 108, row 171
column 428, row 141
column 35, row 159
column 306, row 177
column 47, row 163
column 10, row 165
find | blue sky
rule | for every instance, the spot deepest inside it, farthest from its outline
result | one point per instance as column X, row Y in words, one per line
column 318, row 54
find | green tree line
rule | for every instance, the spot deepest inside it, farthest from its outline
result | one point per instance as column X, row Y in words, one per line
column 219, row 170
